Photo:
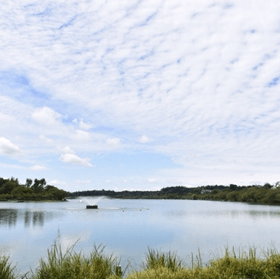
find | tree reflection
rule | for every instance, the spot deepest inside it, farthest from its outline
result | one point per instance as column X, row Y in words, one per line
column 8, row 217
column 27, row 219
column 11, row 217
column 38, row 219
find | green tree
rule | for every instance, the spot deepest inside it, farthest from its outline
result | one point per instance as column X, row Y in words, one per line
column 2, row 181
column 215, row 191
column 21, row 192
column 38, row 185
column 233, row 187
column 28, row 183
column 8, row 186
column 15, row 180
column 267, row 186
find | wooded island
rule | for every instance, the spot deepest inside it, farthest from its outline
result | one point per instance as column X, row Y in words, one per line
column 11, row 189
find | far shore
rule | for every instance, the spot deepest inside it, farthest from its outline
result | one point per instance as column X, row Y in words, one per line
column 21, row 201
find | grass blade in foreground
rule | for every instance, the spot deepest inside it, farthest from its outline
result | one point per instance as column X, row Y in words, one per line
column 7, row 271
column 228, row 266
column 73, row 265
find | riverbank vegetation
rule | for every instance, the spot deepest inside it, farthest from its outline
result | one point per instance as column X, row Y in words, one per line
column 229, row 266
column 75, row 265
column 7, row 271
column 157, row 265
column 261, row 194
column 11, row 189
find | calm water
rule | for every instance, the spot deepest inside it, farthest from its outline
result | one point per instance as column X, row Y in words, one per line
column 128, row 227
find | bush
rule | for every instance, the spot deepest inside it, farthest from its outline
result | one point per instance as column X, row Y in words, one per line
column 271, row 197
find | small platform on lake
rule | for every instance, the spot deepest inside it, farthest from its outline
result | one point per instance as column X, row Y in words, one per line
column 92, row 207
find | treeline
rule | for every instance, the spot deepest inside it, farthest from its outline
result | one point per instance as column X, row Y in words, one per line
column 262, row 194
column 10, row 189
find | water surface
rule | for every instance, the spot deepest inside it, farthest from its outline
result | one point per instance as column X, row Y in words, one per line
column 129, row 227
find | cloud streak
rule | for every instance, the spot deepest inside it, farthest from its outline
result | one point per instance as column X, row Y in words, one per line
column 197, row 82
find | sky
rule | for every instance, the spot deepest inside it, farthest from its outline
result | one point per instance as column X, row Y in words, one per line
column 140, row 95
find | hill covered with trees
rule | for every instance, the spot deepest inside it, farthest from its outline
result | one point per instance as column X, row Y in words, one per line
column 10, row 189
column 261, row 194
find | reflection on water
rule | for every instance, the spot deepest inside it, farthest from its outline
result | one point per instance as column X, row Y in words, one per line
column 10, row 217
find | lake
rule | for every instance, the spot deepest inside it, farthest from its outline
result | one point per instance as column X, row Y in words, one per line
column 129, row 227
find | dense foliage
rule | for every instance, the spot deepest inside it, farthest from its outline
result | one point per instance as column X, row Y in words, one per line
column 10, row 189
column 266, row 194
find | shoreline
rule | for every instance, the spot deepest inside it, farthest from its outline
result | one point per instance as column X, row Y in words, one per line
column 16, row 201
column 261, row 195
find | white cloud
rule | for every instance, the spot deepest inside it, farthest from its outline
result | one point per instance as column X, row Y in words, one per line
column 115, row 142
column 67, row 150
column 81, row 135
column 144, row 139
column 38, row 167
column 200, row 79
column 57, row 182
column 152, row 180
column 85, row 126
column 46, row 116
column 74, row 159
column 8, row 148
column 46, row 139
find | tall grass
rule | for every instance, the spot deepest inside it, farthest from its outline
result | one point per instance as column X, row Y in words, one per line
column 7, row 271
column 245, row 265
column 157, row 265
column 155, row 259
column 75, row 265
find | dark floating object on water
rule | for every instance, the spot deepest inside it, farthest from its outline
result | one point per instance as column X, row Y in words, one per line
column 92, row 207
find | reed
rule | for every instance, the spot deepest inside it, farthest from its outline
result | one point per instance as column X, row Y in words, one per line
column 75, row 265
column 230, row 265
column 157, row 265
column 7, row 271
column 155, row 259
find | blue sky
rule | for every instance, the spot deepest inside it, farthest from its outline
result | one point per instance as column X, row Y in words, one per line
column 140, row 94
